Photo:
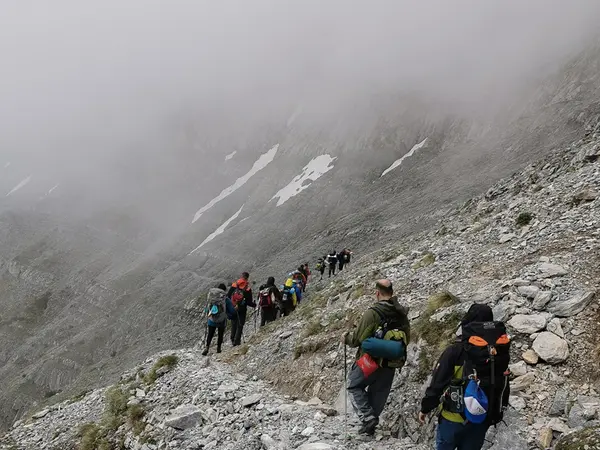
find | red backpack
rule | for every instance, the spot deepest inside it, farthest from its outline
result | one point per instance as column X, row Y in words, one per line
column 265, row 299
column 237, row 297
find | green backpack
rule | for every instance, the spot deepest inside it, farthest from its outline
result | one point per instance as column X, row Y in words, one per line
column 392, row 329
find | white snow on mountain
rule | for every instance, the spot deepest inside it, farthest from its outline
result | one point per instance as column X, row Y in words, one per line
column 259, row 164
column 219, row 230
column 416, row 147
column 311, row 172
column 20, row 185
column 53, row 189
column 231, row 155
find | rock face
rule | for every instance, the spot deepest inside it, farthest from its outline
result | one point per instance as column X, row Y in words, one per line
column 574, row 305
column 551, row 348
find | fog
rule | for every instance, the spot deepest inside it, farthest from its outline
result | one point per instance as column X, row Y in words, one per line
column 83, row 82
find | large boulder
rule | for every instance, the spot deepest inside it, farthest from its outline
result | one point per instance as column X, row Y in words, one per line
column 184, row 417
column 572, row 306
column 551, row 348
column 528, row 324
column 548, row 270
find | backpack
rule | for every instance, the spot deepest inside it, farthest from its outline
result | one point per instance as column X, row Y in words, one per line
column 486, row 350
column 287, row 294
column 392, row 329
column 216, row 306
column 265, row 299
column 237, row 297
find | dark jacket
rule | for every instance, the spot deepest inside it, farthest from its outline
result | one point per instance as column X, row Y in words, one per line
column 248, row 297
column 370, row 321
column 273, row 291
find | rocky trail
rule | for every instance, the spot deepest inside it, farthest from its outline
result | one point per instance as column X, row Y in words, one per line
column 528, row 247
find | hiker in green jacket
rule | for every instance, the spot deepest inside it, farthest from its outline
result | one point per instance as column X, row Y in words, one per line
column 368, row 404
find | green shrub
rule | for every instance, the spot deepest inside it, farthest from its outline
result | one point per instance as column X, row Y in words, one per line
column 164, row 361
column 91, row 436
column 427, row 260
column 313, row 328
column 135, row 414
column 524, row 218
column 309, row 347
column 116, row 401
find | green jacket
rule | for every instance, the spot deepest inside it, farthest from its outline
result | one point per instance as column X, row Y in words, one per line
column 370, row 321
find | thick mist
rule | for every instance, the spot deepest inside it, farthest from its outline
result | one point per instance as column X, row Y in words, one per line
column 85, row 85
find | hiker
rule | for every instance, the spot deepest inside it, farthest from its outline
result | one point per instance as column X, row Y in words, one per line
column 301, row 275
column 307, row 272
column 472, row 371
column 341, row 256
column 288, row 297
column 216, row 309
column 268, row 299
column 303, row 269
column 385, row 323
column 332, row 261
column 348, row 256
column 240, row 294
column 296, row 277
column 321, row 266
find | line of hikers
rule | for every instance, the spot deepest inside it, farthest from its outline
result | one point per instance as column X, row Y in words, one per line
column 469, row 387
column 333, row 260
column 223, row 304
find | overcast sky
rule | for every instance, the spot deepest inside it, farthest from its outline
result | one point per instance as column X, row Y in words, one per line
column 92, row 77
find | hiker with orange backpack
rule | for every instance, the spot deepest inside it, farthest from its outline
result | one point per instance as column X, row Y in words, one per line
column 469, row 389
column 268, row 299
column 240, row 294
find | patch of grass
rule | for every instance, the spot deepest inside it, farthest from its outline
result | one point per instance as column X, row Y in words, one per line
column 523, row 219
column 585, row 439
column 93, row 437
column 49, row 394
column 135, row 414
column 78, row 397
column 243, row 349
column 169, row 361
column 309, row 347
column 427, row 260
column 313, row 328
column 440, row 300
column 358, row 292
column 116, row 401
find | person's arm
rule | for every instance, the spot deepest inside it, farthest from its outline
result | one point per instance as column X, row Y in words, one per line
column 365, row 329
column 276, row 292
column 442, row 376
column 230, row 291
column 250, row 299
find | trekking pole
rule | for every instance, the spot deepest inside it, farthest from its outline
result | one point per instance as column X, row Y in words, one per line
column 345, row 394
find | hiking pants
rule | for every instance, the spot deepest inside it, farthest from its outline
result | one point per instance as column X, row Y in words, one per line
column 237, row 326
column 322, row 270
column 331, row 269
column 211, row 335
column 369, row 395
column 456, row 436
column 286, row 308
column 341, row 265
column 267, row 315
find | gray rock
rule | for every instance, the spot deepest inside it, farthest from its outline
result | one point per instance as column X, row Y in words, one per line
column 558, row 425
column 518, row 369
column 541, row 300
column 551, row 348
column 184, row 417
column 578, row 416
column 506, row 237
column 530, row 357
column 559, row 404
column 517, row 402
column 572, row 306
column 286, row 334
column 316, row 446
column 528, row 324
column 503, row 310
column 523, row 382
column 548, row 270
column 40, row 414
column 528, row 291
column 555, row 327
column 269, row 443
column 251, row 400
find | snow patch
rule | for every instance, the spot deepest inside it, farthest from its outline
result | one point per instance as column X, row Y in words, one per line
column 20, row 185
column 401, row 160
column 259, row 164
column 53, row 189
column 231, row 155
column 311, row 172
column 219, row 230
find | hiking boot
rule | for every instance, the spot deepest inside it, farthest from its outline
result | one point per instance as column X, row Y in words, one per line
column 205, row 352
column 368, row 427
column 219, row 349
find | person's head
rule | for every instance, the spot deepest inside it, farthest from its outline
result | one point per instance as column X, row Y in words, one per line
column 222, row 286
column 383, row 289
column 306, row 265
column 271, row 281
column 478, row 313
column 245, row 275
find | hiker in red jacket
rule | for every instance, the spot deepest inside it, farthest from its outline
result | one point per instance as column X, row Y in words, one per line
column 240, row 294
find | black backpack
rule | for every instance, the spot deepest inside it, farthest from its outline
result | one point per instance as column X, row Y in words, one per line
column 486, row 348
